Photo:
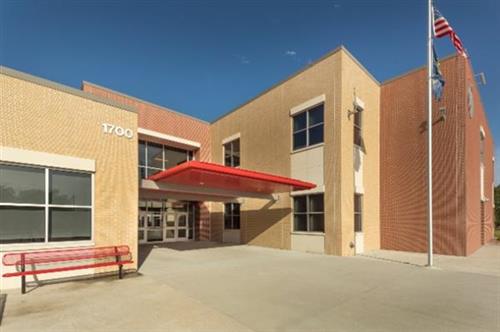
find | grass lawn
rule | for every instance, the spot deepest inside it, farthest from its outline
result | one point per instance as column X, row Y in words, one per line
column 497, row 234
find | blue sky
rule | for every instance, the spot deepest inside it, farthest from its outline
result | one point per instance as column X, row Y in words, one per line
column 204, row 58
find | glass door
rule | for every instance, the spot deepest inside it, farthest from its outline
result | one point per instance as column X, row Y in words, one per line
column 182, row 225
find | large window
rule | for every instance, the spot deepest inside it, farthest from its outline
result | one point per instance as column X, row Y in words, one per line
column 231, row 216
column 232, row 153
column 308, row 213
column 154, row 158
column 358, row 213
column 308, row 127
column 44, row 205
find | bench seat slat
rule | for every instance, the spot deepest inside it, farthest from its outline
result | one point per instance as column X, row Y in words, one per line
column 65, row 268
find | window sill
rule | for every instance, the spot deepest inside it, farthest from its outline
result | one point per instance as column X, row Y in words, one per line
column 308, row 233
column 308, row 148
column 44, row 245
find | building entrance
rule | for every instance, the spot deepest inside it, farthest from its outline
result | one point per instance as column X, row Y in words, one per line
column 165, row 221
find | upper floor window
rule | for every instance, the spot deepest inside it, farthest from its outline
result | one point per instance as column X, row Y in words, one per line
column 44, row 205
column 154, row 158
column 358, row 123
column 231, row 216
column 308, row 213
column 308, row 127
column 232, row 153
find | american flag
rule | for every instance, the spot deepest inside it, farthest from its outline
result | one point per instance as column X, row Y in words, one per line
column 442, row 28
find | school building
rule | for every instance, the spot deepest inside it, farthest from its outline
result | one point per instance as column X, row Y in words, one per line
column 328, row 161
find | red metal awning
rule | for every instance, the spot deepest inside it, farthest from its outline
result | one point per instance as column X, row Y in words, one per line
column 207, row 178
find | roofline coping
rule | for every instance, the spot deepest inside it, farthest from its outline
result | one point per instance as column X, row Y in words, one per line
column 332, row 52
column 143, row 101
column 63, row 88
column 411, row 71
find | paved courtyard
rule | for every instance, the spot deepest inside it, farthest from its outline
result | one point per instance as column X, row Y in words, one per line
column 243, row 288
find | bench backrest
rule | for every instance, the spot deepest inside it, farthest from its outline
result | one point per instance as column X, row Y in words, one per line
column 64, row 255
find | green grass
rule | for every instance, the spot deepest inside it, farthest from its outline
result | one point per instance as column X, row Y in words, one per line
column 497, row 234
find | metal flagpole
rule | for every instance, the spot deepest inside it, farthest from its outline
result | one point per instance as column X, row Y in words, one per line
column 429, row 133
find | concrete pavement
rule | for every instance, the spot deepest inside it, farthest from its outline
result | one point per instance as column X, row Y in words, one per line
column 244, row 288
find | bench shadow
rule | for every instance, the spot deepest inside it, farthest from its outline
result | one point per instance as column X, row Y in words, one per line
column 3, row 301
column 145, row 249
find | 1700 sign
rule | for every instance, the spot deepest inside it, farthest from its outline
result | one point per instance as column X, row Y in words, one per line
column 109, row 128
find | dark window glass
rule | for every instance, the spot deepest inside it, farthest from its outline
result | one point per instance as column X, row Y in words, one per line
column 316, row 203
column 358, row 138
column 68, row 188
column 236, row 222
column 70, row 224
column 299, row 121
column 19, row 184
column 142, row 153
column 152, row 171
column 316, row 134
column 308, row 127
column 174, row 157
column 22, row 224
column 232, row 153
column 142, row 172
column 316, row 223
column 300, row 222
column 316, row 115
column 232, row 216
column 299, row 139
column 300, row 204
column 358, row 213
column 308, row 213
column 155, row 155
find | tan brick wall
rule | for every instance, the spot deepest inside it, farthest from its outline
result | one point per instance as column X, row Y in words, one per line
column 265, row 127
column 357, row 83
column 39, row 118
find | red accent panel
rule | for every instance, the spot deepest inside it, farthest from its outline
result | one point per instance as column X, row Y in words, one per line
column 209, row 175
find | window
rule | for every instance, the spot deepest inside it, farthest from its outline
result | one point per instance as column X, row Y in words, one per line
column 308, row 213
column 44, row 205
column 232, row 153
column 308, row 127
column 358, row 122
column 358, row 213
column 231, row 216
column 154, row 158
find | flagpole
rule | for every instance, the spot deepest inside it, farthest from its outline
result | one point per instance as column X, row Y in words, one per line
column 429, row 133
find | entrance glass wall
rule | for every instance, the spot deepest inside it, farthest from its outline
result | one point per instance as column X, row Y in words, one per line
column 165, row 221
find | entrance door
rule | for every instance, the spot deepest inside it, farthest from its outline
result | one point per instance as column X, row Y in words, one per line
column 182, row 226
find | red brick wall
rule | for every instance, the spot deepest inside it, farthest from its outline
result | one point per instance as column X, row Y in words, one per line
column 168, row 122
column 477, row 232
column 403, row 156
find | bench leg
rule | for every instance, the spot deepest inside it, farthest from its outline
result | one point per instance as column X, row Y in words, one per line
column 120, row 271
column 23, row 284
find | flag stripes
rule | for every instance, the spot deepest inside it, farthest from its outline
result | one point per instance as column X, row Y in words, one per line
column 442, row 28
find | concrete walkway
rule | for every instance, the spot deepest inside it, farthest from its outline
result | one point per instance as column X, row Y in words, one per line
column 244, row 288
column 486, row 260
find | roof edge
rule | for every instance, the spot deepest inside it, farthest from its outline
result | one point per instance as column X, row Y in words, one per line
column 62, row 88
column 143, row 101
column 303, row 69
column 411, row 71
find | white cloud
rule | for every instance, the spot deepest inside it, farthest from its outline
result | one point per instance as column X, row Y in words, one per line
column 242, row 59
column 290, row 53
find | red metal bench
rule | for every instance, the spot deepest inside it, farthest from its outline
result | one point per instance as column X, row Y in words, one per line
column 46, row 261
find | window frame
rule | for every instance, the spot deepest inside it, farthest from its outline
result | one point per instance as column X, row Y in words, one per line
column 231, row 215
column 46, row 206
column 308, row 127
column 358, row 128
column 190, row 155
column 231, row 153
column 308, row 213
column 358, row 213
